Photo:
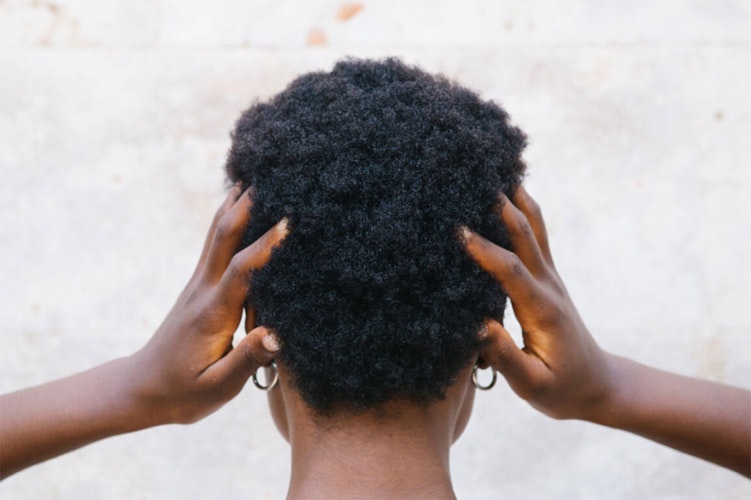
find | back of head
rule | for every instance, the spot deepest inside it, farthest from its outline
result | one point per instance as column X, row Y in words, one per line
column 376, row 164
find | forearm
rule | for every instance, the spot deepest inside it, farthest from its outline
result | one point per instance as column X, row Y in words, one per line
column 705, row 419
column 48, row 420
column 188, row 369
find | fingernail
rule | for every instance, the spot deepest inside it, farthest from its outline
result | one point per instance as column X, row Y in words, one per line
column 270, row 342
column 465, row 233
column 283, row 226
column 483, row 333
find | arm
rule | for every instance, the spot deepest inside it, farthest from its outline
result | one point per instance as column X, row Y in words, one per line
column 185, row 372
column 562, row 372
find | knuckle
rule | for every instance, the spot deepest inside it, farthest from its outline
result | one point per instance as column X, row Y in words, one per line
column 553, row 313
column 550, row 316
column 235, row 270
column 515, row 265
column 227, row 227
column 219, row 215
column 238, row 275
column 521, row 227
column 557, row 284
column 533, row 208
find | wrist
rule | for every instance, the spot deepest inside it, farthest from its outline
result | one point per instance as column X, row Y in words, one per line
column 154, row 397
column 613, row 378
column 139, row 402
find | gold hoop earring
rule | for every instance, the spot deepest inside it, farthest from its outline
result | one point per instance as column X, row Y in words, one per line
column 476, row 382
column 273, row 382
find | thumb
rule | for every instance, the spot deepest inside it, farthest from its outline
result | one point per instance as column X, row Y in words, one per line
column 521, row 370
column 258, row 348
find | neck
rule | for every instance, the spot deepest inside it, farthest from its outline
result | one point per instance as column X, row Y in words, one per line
column 401, row 451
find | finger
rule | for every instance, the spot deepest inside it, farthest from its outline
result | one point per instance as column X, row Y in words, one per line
column 504, row 266
column 230, row 200
column 227, row 235
column 524, row 372
column 531, row 210
column 523, row 238
column 257, row 348
column 235, row 282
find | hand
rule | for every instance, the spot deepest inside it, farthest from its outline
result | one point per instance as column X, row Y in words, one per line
column 186, row 371
column 561, row 371
column 190, row 368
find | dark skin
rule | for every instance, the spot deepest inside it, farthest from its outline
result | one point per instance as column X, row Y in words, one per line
column 562, row 372
column 186, row 371
column 402, row 450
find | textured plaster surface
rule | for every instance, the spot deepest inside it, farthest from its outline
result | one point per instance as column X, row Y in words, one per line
column 114, row 120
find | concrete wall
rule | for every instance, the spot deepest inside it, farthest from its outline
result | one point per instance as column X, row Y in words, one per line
column 114, row 120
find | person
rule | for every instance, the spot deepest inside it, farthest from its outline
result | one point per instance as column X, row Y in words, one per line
column 394, row 441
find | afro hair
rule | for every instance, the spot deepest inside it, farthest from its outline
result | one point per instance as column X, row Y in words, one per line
column 375, row 164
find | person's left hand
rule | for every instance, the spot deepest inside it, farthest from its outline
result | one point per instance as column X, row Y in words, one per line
column 189, row 368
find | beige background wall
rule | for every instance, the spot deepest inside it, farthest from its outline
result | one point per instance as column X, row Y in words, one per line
column 114, row 120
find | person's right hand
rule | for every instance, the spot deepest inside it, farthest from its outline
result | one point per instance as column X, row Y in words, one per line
column 561, row 371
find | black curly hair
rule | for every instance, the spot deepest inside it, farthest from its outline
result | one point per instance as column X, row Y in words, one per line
column 376, row 164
